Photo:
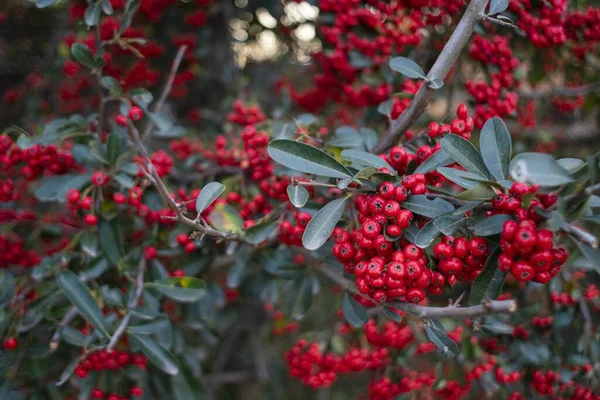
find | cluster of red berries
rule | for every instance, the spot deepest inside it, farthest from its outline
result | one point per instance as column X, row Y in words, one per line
column 162, row 162
column 478, row 370
column 290, row 234
column 409, row 87
column 306, row 362
column 542, row 322
column 103, row 360
column 462, row 125
column 135, row 114
column 543, row 383
column 399, row 159
column 13, row 252
column 498, row 98
column 546, row 29
column 244, row 116
column 568, row 105
column 281, row 324
column 583, row 28
column 461, row 258
column 392, row 335
column 76, row 203
column 385, row 389
column 7, row 191
column 38, row 159
column 563, row 299
column 506, row 377
column 134, row 392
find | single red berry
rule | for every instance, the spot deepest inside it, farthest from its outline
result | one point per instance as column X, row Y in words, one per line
column 136, row 391
column 522, row 271
column 478, row 246
column 73, row 196
column 10, row 343
column 99, row 178
column 135, row 113
column 462, row 112
column 90, row 219
column 121, row 120
column 415, row 295
column 149, row 253
column 386, row 190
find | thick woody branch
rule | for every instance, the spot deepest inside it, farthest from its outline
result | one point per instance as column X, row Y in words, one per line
column 166, row 90
column 139, row 289
column 445, row 61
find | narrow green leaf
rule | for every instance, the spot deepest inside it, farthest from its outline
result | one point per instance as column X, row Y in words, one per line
column 150, row 327
column 366, row 159
column 445, row 346
column 489, row 282
column 435, row 161
column 208, row 195
column 449, row 224
column 114, row 147
column 468, row 206
column 391, row 313
column 496, row 147
column 68, row 371
column 354, row 312
column 303, row 299
column 157, row 354
column 258, row 233
column 131, row 8
column 109, row 240
column 83, row 54
column 55, row 188
column 436, row 84
column 491, row 225
column 464, row 179
column 44, row 3
column 80, row 296
column 421, row 205
column 407, row 67
column 185, row 289
column 591, row 254
column 305, row 158
column 540, row 169
column 464, row 153
column 92, row 14
column 73, row 336
column 298, row 195
column 385, row 108
column 322, row 224
column 427, row 235
column 498, row 327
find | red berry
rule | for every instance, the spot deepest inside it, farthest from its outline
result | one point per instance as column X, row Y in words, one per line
column 121, row 120
column 522, row 271
column 90, row 219
column 462, row 112
column 415, row 295
column 10, row 343
column 149, row 253
column 135, row 113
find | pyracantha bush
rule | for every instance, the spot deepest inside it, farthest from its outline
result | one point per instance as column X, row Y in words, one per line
column 371, row 249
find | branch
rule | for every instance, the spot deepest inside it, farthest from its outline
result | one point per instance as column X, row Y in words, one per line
column 166, row 90
column 139, row 289
column 581, row 234
column 506, row 24
column 66, row 320
column 574, row 91
column 489, row 307
column 445, row 61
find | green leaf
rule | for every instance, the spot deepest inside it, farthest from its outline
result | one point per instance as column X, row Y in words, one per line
column 73, row 336
column 435, row 161
column 68, row 371
column 366, row 159
column 185, row 289
column 421, row 205
column 591, row 254
column 92, row 14
column 386, row 107
column 322, row 224
column 258, row 233
column 225, row 218
column 80, row 296
column 109, row 240
column 131, row 8
column 157, row 354
column 115, row 147
column 468, row 206
column 496, row 147
column 481, row 191
column 124, row 180
column 298, row 195
column 354, row 312
column 540, row 169
column 438, row 336
column 391, row 313
column 571, row 165
column 305, row 158
column 55, row 188
column 449, row 224
column 208, row 195
column 83, row 54
column 285, row 271
column 427, row 235
column 44, row 3
column 407, row 67
column 303, row 299
column 489, row 282
column 107, row 7
column 491, row 225
column 497, row 6
column 151, row 327
column 464, row 179
column 498, row 327
column 464, row 153
column 436, row 83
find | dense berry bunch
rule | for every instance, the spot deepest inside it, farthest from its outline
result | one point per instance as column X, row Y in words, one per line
column 103, row 360
column 544, row 28
column 460, row 259
column 14, row 253
column 245, row 116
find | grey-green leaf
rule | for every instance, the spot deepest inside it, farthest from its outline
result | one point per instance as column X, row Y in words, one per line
column 496, row 147
column 80, row 296
column 208, row 195
column 449, row 224
column 491, row 225
column 92, row 14
column 540, row 169
column 445, row 346
column 184, row 290
column 407, row 67
column 366, row 159
column 427, row 235
column 83, row 54
column 488, row 283
column 463, row 152
column 44, row 3
column 322, row 224
column 157, row 354
column 497, row 6
column 354, row 312
column 464, row 179
column 435, row 161
column 298, row 195
column 305, row 158
column 258, row 233
column 421, row 205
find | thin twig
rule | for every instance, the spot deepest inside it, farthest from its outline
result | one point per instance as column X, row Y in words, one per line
column 166, row 90
column 66, row 320
column 139, row 289
column 573, row 91
column 506, row 24
column 444, row 62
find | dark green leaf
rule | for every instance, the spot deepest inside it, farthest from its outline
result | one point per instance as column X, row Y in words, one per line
column 68, row 371
column 305, row 158
column 571, row 165
column 407, row 67
column 354, row 312
column 464, row 153
column 55, row 188
column 322, row 224
column 131, row 8
column 208, row 195
column 150, row 327
column 449, row 224
column 421, row 205
column 107, row 7
column 427, row 235
column 258, row 233
column 157, row 354
column 591, row 254
column 109, row 240
column 92, row 14
column 73, row 336
column 496, row 147
column 385, row 108
column 462, row 178
column 80, row 296
column 298, row 195
column 498, row 327
column 391, row 313
column 114, row 147
column 44, row 3
column 185, row 289
column 540, row 169
column 438, row 336
column 366, row 159
column 435, row 161
column 84, row 55
column 303, row 299
column 491, row 225
column 468, row 206
column 489, row 282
